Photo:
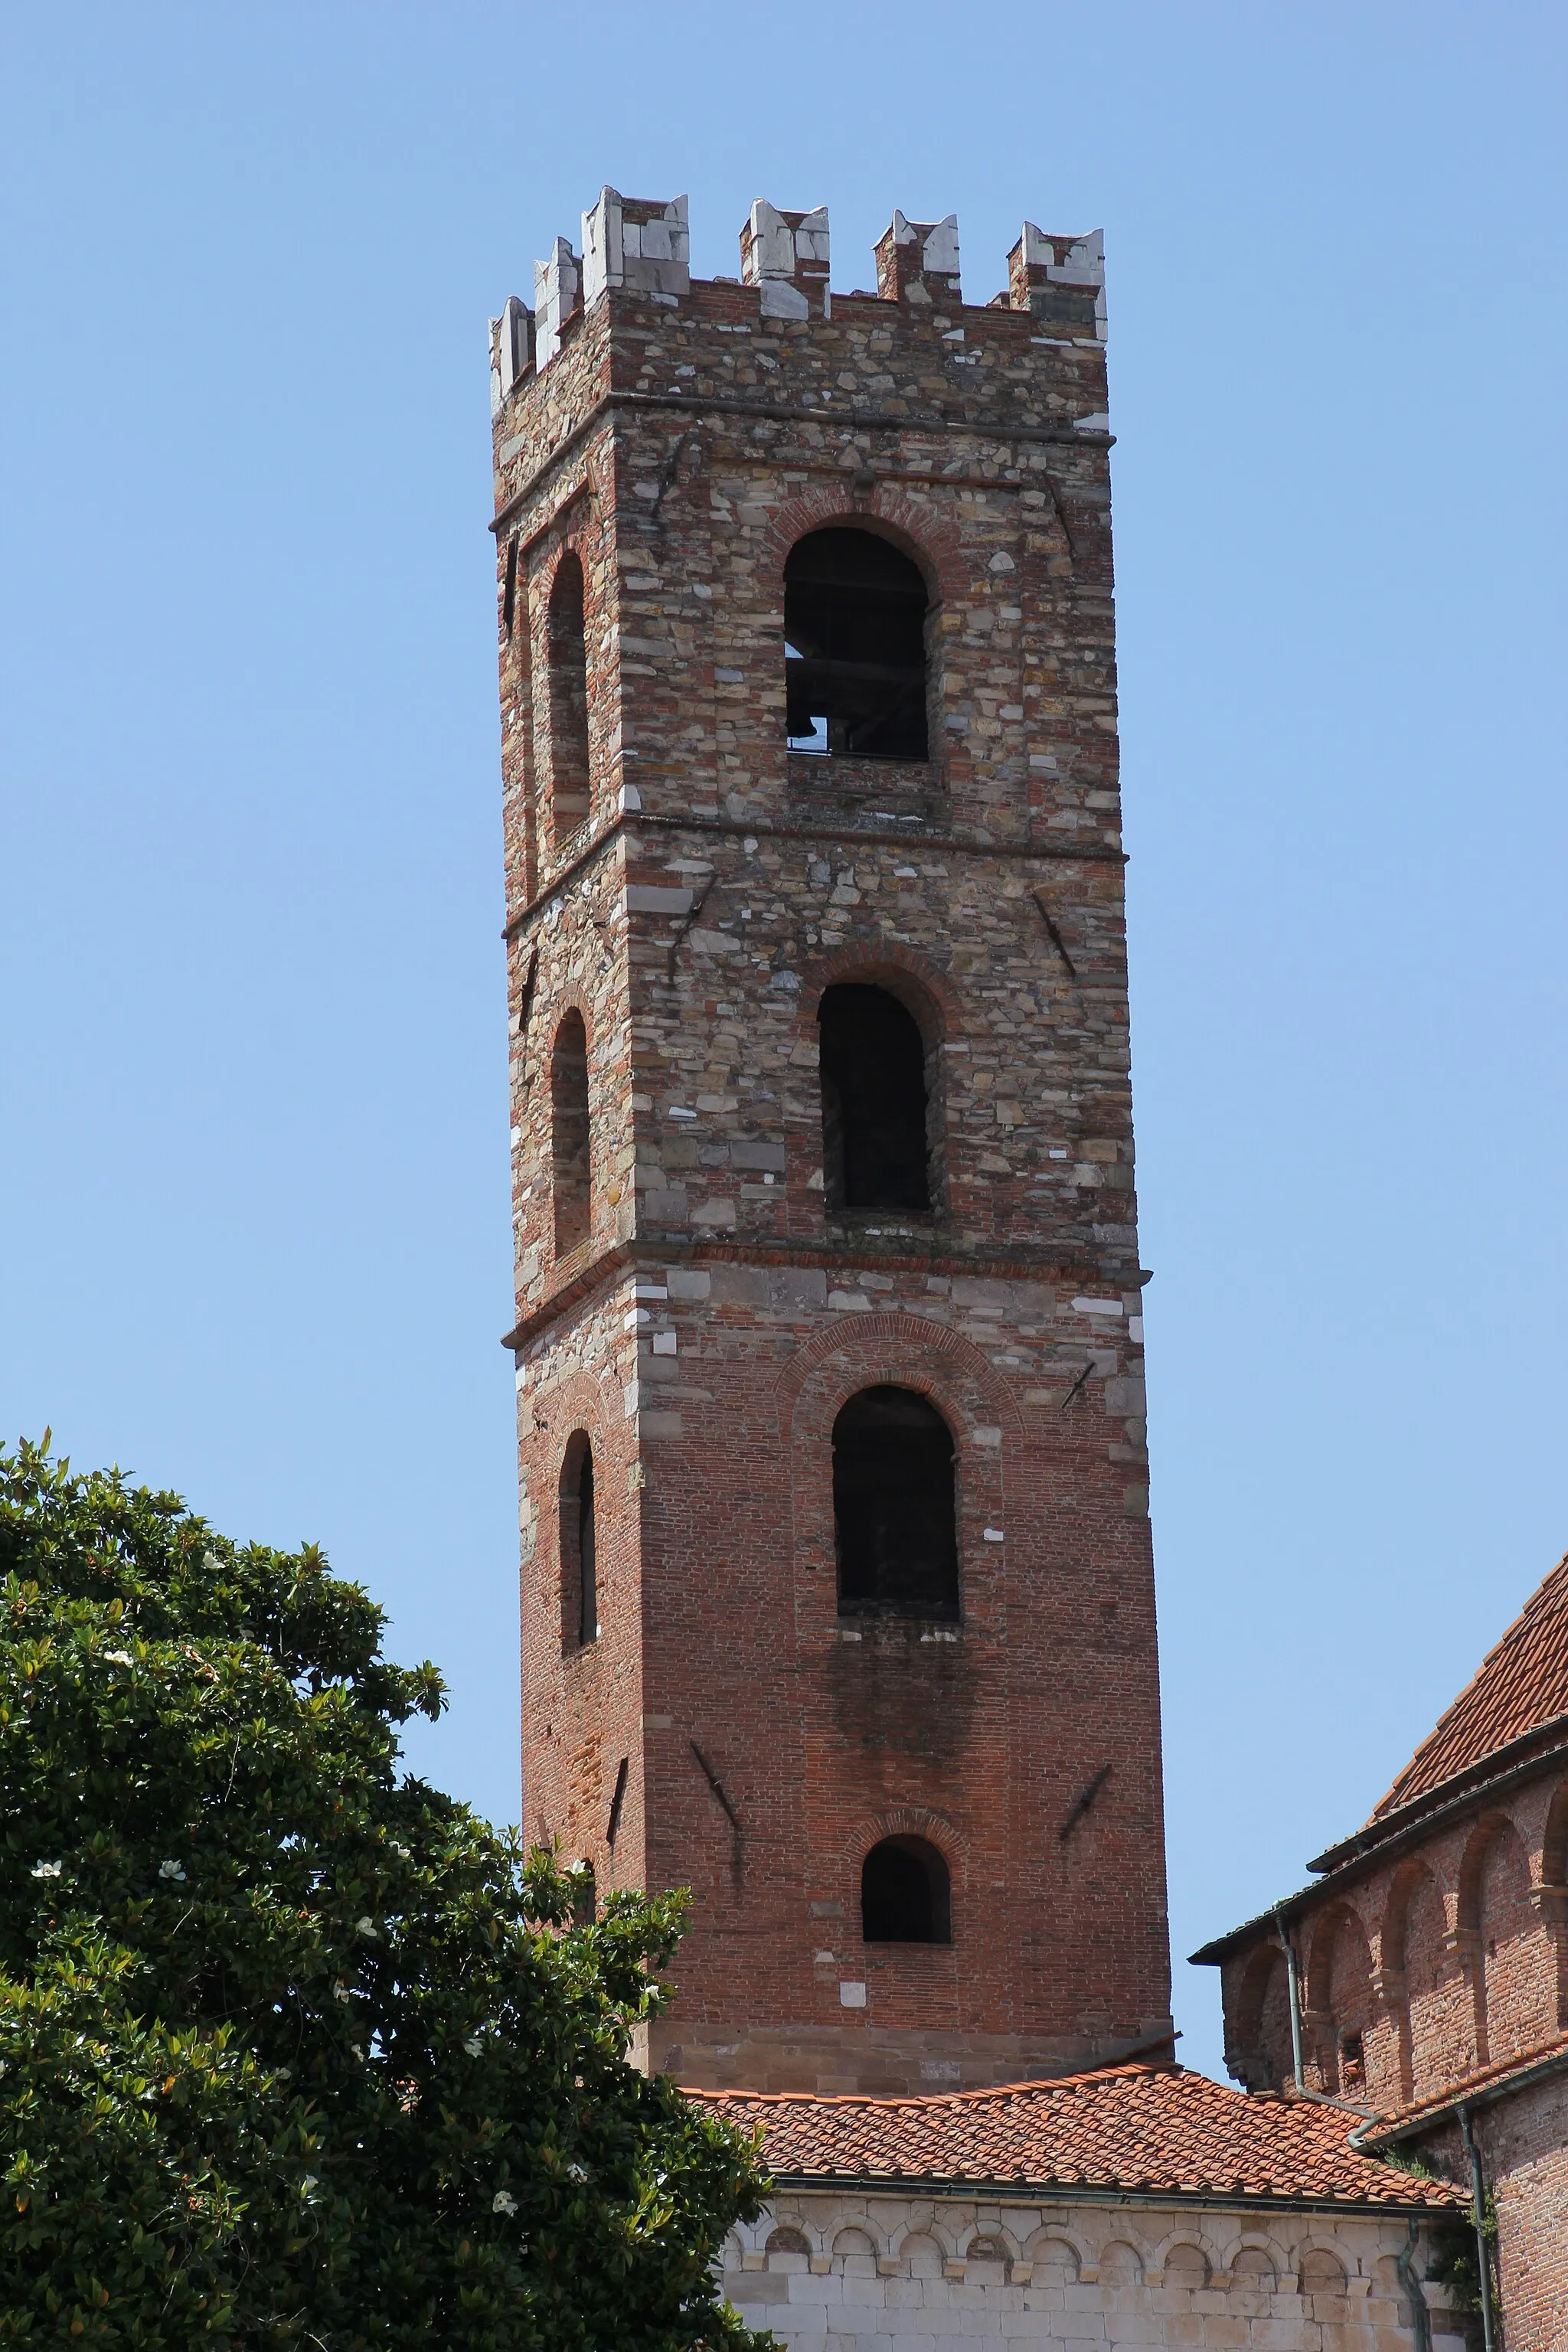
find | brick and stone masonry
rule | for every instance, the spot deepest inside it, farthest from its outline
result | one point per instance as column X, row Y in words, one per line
column 693, row 1302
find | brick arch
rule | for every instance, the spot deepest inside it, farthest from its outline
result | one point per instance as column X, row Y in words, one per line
column 1553, row 1897
column 877, row 964
column 1435, row 2023
column 1515, row 1991
column 919, row 529
column 905, row 1820
column 1261, row 2059
column 906, row 1349
column 1339, row 1989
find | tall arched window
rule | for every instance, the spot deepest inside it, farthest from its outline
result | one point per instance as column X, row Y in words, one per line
column 905, row 1894
column 893, row 1507
column 874, row 1103
column 568, row 697
column 571, row 1168
column 854, row 665
column 579, row 1561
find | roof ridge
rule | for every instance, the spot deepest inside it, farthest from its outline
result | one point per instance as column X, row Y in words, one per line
column 1051, row 2083
column 1546, row 1605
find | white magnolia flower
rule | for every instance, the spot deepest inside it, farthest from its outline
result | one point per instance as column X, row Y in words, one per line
column 46, row 1869
column 172, row 1870
column 474, row 2045
column 402, row 1852
column 503, row 2203
column 340, row 1991
column 575, row 2172
column 307, row 2183
column 212, row 1563
column 356, row 2049
column 366, row 1926
column 120, row 1657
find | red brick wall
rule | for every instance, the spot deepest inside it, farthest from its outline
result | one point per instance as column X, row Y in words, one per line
column 1464, row 1934
column 716, row 1318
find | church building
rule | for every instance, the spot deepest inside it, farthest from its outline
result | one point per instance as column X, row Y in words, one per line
column 837, row 1598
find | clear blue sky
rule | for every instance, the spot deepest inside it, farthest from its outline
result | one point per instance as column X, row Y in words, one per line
column 254, row 1198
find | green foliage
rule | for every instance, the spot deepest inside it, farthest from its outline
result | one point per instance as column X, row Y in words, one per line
column 295, row 2051
column 1455, row 2261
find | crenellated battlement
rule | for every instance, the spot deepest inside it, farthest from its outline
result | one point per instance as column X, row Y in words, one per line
column 641, row 245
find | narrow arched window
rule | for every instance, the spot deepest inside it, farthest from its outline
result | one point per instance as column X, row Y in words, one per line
column 893, row 1507
column 570, row 1169
column 579, row 1549
column 874, row 1101
column 568, row 697
column 854, row 665
column 905, row 1894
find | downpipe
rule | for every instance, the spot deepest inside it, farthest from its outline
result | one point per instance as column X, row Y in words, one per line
column 1479, row 2209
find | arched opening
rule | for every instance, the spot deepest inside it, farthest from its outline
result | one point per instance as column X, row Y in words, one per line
column 854, row 665
column 579, row 1549
column 894, row 1521
column 568, row 697
column 571, row 1170
column 874, row 1101
column 1258, row 2049
column 905, row 1894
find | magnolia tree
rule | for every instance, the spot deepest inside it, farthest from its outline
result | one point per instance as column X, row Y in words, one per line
column 295, row 2051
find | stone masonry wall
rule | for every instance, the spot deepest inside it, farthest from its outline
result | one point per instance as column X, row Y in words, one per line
column 707, row 1328
column 847, row 2274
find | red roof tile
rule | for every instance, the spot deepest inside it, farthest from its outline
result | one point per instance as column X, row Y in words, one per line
column 1158, row 2129
column 1483, row 2086
column 1521, row 1684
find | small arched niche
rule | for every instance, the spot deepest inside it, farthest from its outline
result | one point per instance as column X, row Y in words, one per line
column 895, row 1525
column 876, row 1150
column 579, row 1545
column 568, row 651
column 571, row 1152
column 906, row 1895
column 855, row 656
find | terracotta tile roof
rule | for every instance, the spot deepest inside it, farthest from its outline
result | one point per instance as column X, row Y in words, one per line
column 1480, row 2089
column 1521, row 1684
column 1156, row 2129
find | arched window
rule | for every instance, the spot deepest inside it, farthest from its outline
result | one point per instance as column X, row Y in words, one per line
column 568, row 699
column 893, row 1507
column 571, row 1172
column 855, row 666
column 905, row 1895
column 579, row 1564
column 874, row 1101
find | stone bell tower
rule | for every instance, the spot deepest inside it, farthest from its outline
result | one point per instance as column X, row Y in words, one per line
column 837, row 1603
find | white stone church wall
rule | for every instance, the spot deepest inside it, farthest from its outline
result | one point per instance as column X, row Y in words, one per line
column 828, row 2273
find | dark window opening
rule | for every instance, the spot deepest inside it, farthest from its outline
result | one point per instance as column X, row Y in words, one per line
column 873, row 1101
column 584, row 1895
column 905, row 1894
column 1352, row 2062
column 571, row 1171
column 893, row 1507
column 579, row 1563
column 854, row 665
column 568, row 697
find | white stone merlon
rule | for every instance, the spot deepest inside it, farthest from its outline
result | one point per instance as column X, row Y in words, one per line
column 1077, row 261
column 557, row 284
column 786, row 255
column 511, row 350
column 640, row 242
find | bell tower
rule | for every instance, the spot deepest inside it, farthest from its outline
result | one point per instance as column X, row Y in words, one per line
column 837, row 1591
